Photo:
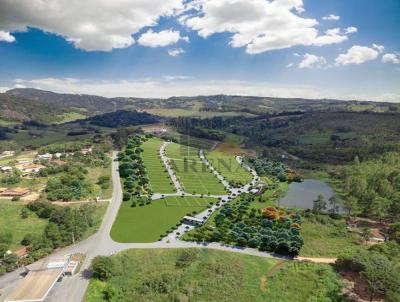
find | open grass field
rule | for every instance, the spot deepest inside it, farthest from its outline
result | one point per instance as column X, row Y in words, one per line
column 160, row 181
column 192, row 173
column 11, row 221
column 70, row 116
column 228, row 166
column 147, row 223
column 208, row 275
column 327, row 239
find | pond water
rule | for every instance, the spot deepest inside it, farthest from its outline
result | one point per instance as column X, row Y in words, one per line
column 303, row 194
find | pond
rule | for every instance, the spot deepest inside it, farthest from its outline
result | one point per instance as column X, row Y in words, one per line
column 303, row 194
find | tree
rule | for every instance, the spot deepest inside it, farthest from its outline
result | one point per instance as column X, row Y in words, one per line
column 334, row 202
column 351, row 205
column 380, row 207
column 377, row 271
column 365, row 234
column 103, row 268
column 319, row 204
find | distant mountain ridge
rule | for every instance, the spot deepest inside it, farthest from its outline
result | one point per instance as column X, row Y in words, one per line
column 45, row 106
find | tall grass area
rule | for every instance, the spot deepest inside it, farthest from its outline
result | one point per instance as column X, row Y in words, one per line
column 12, row 222
column 228, row 166
column 147, row 223
column 209, row 275
column 326, row 237
column 192, row 173
column 160, row 181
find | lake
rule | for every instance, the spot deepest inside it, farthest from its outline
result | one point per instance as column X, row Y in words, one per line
column 303, row 194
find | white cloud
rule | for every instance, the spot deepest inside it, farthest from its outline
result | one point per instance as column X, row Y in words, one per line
column 176, row 77
column 260, row 25
column 351, row 29
column 174, row 52
column 357, row 55
column 90, row 24
column 4, row 89
column 391, row 58
column 6, row 36
column 379, row 48
column 290, row 65
column 331, row 17
column 160, row 39
column 19, row 86
column 311, row 61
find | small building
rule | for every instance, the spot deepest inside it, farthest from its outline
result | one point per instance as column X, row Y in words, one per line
column 45, row 156
column 159, row 131
column 7, row 153
column 193, row 220
column 14, row 192
column 39, row 281
column 6, row 169
column 85, row 151
column 30, row 168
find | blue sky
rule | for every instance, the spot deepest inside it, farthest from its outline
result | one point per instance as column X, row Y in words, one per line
column 290, row 48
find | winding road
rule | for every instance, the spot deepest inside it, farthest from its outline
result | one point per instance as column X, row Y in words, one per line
column 73, row 289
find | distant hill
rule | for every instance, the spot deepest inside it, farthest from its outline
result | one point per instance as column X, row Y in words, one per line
column 90, row 104
column 50, row 107
column 20, row 109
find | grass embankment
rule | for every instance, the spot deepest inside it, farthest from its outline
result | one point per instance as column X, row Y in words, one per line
column 228, row 166
column 208, row 275
column 12, row 222
column 160, row 181
column 193, row 174
column 146, row 223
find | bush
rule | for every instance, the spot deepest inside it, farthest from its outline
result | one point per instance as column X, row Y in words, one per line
column 103, row 268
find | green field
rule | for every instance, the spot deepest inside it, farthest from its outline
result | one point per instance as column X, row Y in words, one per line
column 228, row 166
column 11, row 221
column 209, row 275
column 147, row 223
column 327, row 238
column 193, row 174
column 160, row 181
column 70, row 116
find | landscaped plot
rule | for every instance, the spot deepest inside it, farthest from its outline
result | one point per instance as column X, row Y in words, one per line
column 192, row 173
column 12, row 222
column 229, row 167
column 160, row 181
column 147, row 223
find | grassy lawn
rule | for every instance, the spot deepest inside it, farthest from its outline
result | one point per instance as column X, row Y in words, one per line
column 160, row 181
column 192, row 173
column 326, row 239
column 228, row 166
column 147, row 223
column 70, row 116
column 208, row 275
column 11, row 221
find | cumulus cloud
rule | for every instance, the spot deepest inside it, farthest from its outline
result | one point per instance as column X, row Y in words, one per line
column 331, row 17
column 311, row 61
column 174, row 52
column 379, row 48
column 6, row 36
column 351, row 29
column 160, row 39
column 4, row 89
column 260, row 25
column 90, row 24
column 357, row 55
column 391, row 58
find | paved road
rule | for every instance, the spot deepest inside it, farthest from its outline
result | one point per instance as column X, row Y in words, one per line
column 73, row 289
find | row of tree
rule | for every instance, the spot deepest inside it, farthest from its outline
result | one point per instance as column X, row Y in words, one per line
column 133, row 172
